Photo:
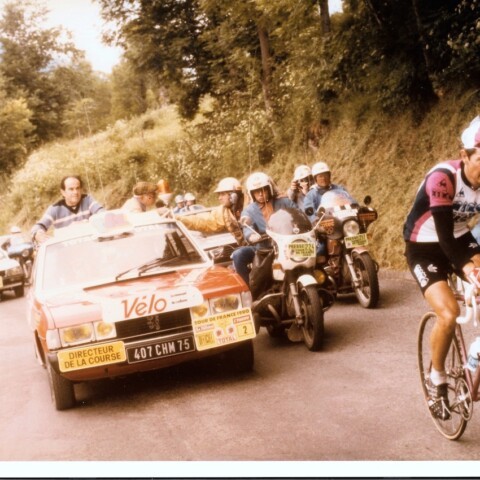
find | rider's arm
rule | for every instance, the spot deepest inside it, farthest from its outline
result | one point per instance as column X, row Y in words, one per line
column 443, row 218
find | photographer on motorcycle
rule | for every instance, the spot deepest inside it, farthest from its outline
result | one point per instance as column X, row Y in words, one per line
column 438, row 242
column 223, row 218
column 265, row 201
column 301, row 183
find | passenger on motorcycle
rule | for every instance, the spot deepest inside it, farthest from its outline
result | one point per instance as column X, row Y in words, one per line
column 75, row 206
column 301, row 183
column 223, row 218
column 438, row 242
column 265, row 201
column 179, row 203
column 190, row 203
column 322, row 176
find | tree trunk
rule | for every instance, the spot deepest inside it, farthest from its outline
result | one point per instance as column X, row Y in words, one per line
column 266, row 68
column 324, row 17
column 423, row 46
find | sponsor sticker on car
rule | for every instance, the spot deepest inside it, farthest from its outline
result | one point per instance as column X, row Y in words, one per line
column 223, row 329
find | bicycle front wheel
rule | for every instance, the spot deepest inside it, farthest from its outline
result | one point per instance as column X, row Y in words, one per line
column 454, row 427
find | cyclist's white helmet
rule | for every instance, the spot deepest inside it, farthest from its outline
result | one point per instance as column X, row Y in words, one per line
column 258, row 180
column 318, row 168
column 15, row 230
column 301, row 171
column 228, row 184
column 189, row 197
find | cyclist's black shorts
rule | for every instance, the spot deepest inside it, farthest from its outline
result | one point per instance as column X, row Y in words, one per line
column 429, row 264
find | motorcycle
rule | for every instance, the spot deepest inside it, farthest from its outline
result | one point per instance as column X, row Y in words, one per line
column 287, row 292
column 22, row 250
column 343, row 224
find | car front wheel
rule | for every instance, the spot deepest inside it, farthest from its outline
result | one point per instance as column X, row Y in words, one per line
column 63, row 394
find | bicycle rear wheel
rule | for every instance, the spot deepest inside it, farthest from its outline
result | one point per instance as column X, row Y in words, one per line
column 460, row 401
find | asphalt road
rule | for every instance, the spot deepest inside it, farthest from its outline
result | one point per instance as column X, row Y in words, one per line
column 358, row 400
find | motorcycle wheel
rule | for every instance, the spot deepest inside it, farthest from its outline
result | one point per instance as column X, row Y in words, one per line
column 368, row 293
column 312, row 312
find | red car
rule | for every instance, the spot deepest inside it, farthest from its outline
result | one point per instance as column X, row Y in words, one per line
column 126, row 293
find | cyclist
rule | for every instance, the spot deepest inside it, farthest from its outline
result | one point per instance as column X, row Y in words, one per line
column 265, row 201
column 301, row 183
column 438, row 242
column 224, row 217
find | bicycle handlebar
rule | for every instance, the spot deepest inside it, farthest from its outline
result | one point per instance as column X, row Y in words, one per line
column 471, row 305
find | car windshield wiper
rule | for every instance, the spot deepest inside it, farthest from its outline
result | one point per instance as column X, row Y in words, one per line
column 145, row 267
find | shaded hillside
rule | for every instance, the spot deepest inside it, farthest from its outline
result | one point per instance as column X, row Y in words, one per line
column 385, row 157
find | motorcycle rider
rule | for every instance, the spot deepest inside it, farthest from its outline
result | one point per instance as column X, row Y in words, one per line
column 144, row 196
column 190, row 203
column 179, row 203
column 75, row 206
column 301, row 183
column 322, row 183
column 225, row 217
column 438, row 242
column 265, row 200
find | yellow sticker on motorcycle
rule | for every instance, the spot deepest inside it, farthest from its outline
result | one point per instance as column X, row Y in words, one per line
column 302, row 249
column 356, row 241
column 223, row 329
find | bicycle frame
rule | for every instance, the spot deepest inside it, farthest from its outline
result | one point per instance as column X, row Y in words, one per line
column 467, row 297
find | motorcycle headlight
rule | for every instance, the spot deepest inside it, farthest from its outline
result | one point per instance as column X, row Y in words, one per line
column 13, row 271
column 351, row 228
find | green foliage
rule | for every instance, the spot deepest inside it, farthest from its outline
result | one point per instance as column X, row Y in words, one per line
column 15, row 128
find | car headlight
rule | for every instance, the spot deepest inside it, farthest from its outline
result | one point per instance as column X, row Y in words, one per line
column 225, row 304
column 13, row 271
column 200, row 311
column 84, row 333
column 76, row 335
column 351, row 228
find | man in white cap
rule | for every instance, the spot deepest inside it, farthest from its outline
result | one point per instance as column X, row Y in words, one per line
column 438, row 242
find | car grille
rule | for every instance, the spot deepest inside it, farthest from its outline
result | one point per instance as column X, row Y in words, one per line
column 178, row 321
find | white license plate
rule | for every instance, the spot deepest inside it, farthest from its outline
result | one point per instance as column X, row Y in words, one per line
column 165, row 348
column 356, row 241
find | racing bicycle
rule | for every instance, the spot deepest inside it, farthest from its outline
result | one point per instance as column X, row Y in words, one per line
column 463, row 385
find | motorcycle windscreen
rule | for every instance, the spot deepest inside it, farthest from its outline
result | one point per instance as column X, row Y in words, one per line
column 336, row 198
column 289, row 221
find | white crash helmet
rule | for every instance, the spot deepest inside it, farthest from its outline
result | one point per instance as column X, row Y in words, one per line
column 258, row 180
column 189, row 197
column 15, row 229
column 302, row 171
column 179, row 199
column 228, row 184
column 319, row 167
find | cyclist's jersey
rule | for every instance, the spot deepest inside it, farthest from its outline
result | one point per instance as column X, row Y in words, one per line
column 444, row 188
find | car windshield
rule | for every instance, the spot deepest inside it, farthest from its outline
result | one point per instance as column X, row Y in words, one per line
column 89, row 261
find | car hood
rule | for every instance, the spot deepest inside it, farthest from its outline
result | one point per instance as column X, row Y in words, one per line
column 143, row 296
column 6, row 263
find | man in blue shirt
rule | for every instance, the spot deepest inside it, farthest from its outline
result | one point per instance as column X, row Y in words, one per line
column 75, row 206
column 265, row 201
